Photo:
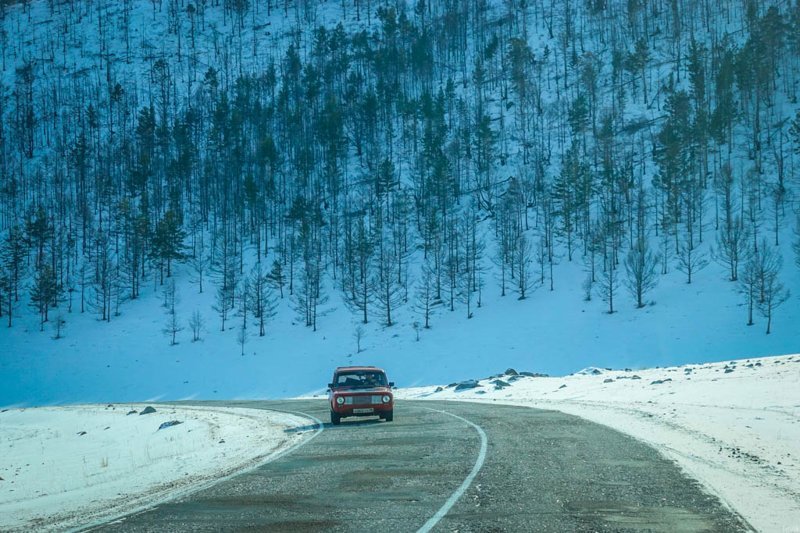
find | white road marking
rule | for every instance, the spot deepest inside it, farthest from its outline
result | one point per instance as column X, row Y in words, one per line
column 431, row 523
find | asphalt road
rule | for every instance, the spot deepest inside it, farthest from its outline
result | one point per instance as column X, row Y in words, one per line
column 542, row 471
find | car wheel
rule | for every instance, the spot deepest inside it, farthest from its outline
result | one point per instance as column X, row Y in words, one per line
column 389, row 416
column 335, row 418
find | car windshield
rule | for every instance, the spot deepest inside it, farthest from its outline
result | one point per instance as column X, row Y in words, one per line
column 361, row 379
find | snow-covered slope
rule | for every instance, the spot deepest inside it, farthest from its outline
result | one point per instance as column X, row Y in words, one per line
column 67, row 467
column 130, row 359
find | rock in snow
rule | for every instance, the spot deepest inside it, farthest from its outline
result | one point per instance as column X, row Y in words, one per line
column 169, row 424
column 660, row 381
column 147, row 410
column 589, row 371
column 466, row 385
column 500, row 384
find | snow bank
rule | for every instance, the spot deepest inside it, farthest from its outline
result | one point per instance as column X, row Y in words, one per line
column 734, row 426
column 61, row 467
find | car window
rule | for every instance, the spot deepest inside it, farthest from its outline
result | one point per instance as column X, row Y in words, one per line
column 361, row 379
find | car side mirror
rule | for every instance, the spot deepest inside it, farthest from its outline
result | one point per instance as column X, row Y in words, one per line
column 391, row 383
column 330, row 385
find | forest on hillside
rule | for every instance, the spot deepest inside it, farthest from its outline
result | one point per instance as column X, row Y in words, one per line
column 405, row 154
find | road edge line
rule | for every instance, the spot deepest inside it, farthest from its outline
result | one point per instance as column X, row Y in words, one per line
column 432, row 521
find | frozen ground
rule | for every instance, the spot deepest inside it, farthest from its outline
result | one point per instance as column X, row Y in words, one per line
column 61, row 467
column 734, row 426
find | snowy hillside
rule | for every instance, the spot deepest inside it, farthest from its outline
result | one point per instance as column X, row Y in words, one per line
column 228, row 199
column 130, row 359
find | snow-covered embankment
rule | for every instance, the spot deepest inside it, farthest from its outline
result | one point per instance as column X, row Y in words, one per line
column 63, row 467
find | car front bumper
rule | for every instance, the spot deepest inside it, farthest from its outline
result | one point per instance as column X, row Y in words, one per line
column 362, row 410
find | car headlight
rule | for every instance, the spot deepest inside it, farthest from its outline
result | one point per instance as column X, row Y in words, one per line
column 340, row 400
column 387, row 399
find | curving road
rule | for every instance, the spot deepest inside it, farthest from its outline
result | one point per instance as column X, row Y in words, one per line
column 451, row 466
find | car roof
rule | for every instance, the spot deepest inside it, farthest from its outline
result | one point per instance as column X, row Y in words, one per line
column 357, row 368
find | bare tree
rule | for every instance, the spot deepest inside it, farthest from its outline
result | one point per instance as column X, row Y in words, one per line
column 733, row 234
column 173, row 325
column 222, row 305
column 587, row 286
column 104, row 274
column 425, row 302
column 608, row 280
column 748, row 285
column 690, row 260
column 309, row 295
column 359, row 281
column 242, row 337
column 388, row 294
column 200, row 264
column 640, row 267
column 731, row 247
column 609, row 286
column 244, row 299
column 774, row 295
column 276, row 277
column 796, row 243
column 44, row 292
column 358, row 335
column 196, row 323
column 59, row 323
column 226, row 272
column 263, row 303
column 13, row 253
column 772, row 292
column 523, row 256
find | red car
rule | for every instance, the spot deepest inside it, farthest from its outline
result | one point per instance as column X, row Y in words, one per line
column 360, row 391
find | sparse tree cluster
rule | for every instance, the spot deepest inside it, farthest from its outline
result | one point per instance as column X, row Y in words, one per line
column 407, row 163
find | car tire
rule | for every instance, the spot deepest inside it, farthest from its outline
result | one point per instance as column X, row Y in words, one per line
column 335, row 418
column 389, row 416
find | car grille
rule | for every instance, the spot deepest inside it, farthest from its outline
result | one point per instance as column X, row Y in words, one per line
column 363, row 400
